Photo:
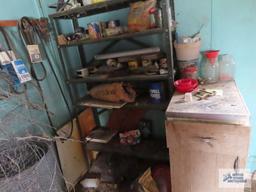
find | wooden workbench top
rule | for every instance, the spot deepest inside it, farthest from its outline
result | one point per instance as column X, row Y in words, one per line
column 228, row 108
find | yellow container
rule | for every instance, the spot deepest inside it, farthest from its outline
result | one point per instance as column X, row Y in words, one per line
column 98, row 1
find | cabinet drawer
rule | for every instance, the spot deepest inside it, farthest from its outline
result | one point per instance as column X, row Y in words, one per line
column 208, row 137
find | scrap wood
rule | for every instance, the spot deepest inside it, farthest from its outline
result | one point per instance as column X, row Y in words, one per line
column 147, row 182
column 125, row 119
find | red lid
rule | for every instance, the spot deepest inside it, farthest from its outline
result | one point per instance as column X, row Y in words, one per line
column 212, row 55
column 191, row 69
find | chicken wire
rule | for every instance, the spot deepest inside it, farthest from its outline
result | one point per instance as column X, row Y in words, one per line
column 29, row 166
column 26, row 165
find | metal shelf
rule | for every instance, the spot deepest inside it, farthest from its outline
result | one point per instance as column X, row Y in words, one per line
column 93, row 9
column 106, row 78
column 117, row 37
column 140, row 103
column 151, row 149
column 148, row 149
column 145, row 103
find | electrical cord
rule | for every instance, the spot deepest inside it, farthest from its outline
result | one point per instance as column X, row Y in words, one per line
column 61, row 90
column 48, row 113
column 25, row 87
column 35, row 39
column 25, row 40
column 27, row 31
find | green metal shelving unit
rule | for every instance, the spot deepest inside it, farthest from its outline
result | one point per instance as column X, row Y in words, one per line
column 165, row 31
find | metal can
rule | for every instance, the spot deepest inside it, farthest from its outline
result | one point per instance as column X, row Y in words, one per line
column 133, row 64
column 113, row 23
column 113, row 31
column 94, row 30
column 103, row 26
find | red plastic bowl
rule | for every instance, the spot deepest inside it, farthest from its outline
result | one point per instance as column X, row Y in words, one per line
column 186, row 85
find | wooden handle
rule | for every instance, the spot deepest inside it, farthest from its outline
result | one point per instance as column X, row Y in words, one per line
column 8, row 23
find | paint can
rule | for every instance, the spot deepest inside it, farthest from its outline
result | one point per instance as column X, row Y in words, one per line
column 156, row 92
column 94, row 30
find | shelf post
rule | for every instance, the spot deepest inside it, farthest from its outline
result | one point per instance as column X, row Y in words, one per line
column 167, row 25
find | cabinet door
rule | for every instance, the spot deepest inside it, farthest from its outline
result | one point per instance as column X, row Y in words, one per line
column 199, row 150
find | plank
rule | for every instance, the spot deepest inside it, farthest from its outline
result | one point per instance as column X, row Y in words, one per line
column 8, row 23
column 93, row 9
column 116, row 37
column 106, row 78
column 72, row 158
column 147, row 149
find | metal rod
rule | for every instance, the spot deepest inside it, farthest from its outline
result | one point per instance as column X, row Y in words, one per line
column 167, row 21
column 80, row 47
column 106, row 48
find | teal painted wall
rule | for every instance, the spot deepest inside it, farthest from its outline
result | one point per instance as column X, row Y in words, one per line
column 13, row 9
column 230, row 26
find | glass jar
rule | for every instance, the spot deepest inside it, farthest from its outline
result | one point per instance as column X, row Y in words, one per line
column 227, row 68
column 190, row 72
column 210, row 66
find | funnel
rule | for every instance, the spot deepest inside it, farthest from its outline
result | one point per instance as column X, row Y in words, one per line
column 212, row 55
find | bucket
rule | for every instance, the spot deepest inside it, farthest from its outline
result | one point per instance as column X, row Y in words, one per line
column 187, row 51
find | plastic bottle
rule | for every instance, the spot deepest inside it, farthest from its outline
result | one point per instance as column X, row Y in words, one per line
column 227, row 67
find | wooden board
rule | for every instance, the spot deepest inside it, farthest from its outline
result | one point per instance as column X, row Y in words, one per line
column 87, row 122
column 101, row 104
column 208, row 137
column 72, row 158
column 8, row 23
column 150, row 149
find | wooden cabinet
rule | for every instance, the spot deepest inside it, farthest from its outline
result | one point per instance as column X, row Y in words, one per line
column 205, row 137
